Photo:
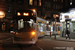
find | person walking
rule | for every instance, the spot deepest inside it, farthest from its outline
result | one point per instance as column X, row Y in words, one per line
column 67, row 34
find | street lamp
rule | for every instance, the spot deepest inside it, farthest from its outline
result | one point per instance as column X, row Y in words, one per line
column 18, row 13
column 35, row 13
column 2, row 14
column 34, row 10
column 55, row 15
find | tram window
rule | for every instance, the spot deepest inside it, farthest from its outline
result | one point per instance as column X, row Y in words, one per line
column 27, row 25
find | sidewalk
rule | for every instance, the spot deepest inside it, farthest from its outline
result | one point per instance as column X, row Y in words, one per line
column 59, row 38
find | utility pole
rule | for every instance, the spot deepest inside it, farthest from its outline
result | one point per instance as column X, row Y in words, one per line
column 55, row 23
column 55, row 28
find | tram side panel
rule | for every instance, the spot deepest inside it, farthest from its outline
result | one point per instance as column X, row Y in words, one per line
column 41, row 29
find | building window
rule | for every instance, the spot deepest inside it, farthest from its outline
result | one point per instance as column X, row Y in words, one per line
column 58, row 6
column 73, row 26
column 70, row 2
column 35, row 3
column 54, row 6
column 9, row 0
column 30, row 2
column 49, row 5
column 45, row 4
column 20, row 1
column 39, row 13
column 61, row 6
column 61, row 0
column 54, row 0
column 39, row 2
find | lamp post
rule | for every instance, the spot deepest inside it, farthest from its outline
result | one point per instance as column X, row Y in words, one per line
column 35, row 13
column 55, row 24
column 55, row 27
column 2, row 15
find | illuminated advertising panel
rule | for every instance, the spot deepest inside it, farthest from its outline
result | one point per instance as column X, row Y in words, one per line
column 68, row 15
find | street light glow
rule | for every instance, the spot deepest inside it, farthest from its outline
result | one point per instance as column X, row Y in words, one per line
column 57, row 15
column 18, row 13
column 34, row 10
column 2, row 14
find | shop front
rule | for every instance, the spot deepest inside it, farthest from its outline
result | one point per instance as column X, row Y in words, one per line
column 67, row 21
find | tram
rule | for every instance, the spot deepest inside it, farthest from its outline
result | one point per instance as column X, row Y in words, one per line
column 57, row 28
column 41, row 25
column 25, row 27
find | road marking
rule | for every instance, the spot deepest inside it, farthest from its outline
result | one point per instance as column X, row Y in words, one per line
column 39, row 47
column 9, row 38
column 1, row 47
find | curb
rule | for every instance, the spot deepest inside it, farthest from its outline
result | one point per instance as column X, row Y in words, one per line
column 59, row 39
column 64, row 40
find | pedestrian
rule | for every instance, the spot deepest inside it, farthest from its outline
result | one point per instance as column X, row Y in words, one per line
column 67, row 34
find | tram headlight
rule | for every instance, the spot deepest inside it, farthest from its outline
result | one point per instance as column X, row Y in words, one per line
column 18, row 13
column 33, row 33
column 26, row 14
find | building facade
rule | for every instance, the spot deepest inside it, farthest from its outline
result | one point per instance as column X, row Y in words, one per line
column 67, row 19
column 44, row 8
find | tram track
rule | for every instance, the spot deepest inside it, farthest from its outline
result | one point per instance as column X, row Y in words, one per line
column 38, row 47
column 21, row 47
